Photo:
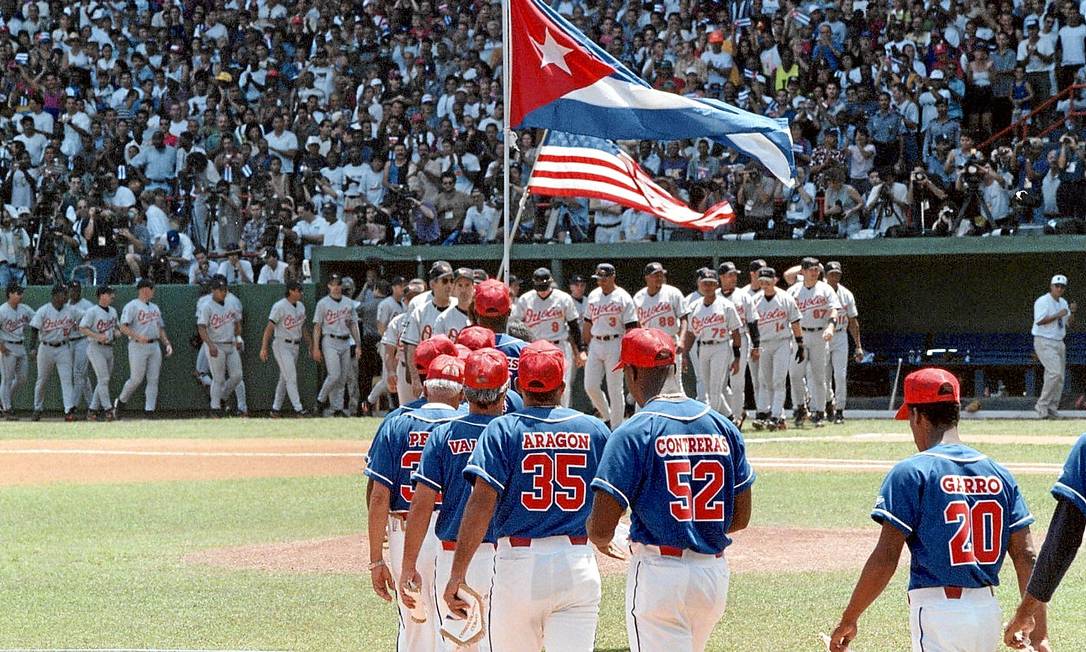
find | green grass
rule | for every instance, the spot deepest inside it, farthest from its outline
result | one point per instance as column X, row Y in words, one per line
column 362, row 429
column 101, row 565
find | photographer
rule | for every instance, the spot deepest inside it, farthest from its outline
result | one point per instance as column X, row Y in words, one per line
column 758, row 194
column 451, row 205
column 927, row 197
column 800, row 203
column 234, row 268
column 1071, row 162
column 887, row 202
column 843, row 205
column 992, row 188
column 61, row 249
column 137, row 238
column 481, row 220
column 14, row 243
column 200, row 270
column 97, row 229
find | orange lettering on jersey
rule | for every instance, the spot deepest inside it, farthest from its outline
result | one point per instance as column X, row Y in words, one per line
column 971, row 485
column 578, row 441
column 692, row 445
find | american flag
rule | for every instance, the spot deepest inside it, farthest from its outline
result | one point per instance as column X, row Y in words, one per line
column 570, row 165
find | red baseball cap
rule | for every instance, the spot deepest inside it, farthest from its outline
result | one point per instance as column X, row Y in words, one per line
column 476, row 337
column 492, row 299
column 927, row 386
column 542, row 367
column 429, row 349
column 462, row 351
column 646, row 348
column 486, row 369
column 446, row 367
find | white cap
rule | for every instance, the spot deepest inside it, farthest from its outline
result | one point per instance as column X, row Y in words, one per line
column 937, row 74
column 312, row 140
column 1059, row 279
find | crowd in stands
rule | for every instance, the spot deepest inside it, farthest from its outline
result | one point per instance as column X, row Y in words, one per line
column 180, row 140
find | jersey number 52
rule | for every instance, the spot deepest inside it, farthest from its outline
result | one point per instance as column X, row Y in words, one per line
column 553, row 481
column 979, row 539
column 703, row 505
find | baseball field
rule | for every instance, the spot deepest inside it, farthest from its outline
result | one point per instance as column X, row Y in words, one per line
column 247, row 534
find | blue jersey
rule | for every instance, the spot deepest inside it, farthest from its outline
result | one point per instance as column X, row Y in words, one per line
column 511, row 347
column 442, row 469
column 957, row 509
column 540, row 461
column 407, row 407
column 678, row 466
column 396, row 450
column 1072, row 483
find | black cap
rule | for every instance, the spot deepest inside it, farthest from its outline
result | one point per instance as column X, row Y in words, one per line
column 604, row 270
column 512, row 280
column 808, row 263
column 440, row 268
column 218, row 284
column 75, row 283
column 757, row 264
column 335, row 279
column 397, row 280
column 104, row 289
column 293, row 285
column 726, row 267
column 480, row 275
column 232, row 248
column 706, row 274
column 541, row 277
column 654, row 268
column 14, row 288
column 767, row 272
column 270, row 251
column 834, row 266
column 327, row 205
column 464, row 272
column 60, row 288
column 576, row 278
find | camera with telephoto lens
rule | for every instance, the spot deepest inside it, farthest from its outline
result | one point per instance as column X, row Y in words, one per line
column 972, row 173
column 1067, row 139
column 401, row 192
column 919, row 177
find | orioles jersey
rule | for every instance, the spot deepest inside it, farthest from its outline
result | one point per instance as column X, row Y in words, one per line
column 664, row 310
column 549, row 318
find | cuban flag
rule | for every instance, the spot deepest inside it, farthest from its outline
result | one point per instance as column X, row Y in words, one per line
column 563, row 81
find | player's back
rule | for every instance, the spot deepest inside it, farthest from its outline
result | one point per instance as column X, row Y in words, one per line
column 541, row 460
column 957, row 509
column 397, row 449
column 511, row 347
column 442, row 468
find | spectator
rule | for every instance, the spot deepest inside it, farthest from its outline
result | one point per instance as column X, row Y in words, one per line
column 173, row 255
column 451, row 205
column 273, row 270
column 235, row 268
column 887, row 202
column 14, row 247
column 481, row 220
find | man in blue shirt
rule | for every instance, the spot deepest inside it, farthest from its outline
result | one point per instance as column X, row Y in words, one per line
column 960, row 513
column 681, row 469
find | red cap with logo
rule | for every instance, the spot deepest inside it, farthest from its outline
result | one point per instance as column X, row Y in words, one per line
column 492, row 299
column 542, row 367
column 646, row 348
column 486, row 369
column 446, row 367
column 462, row 351
column 927, row 386
column 476, row 337
column 429, row 349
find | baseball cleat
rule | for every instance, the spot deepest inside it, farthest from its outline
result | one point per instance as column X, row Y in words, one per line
column 839, row 418
column 36, row 416
column 831, row 412
column 758, row 424
column 275, row 414
column 320, row 407
column 92, row 415
column 817, row 420
column 781, row 423
column 303, row 413
column 69, row 416
column 118, row 407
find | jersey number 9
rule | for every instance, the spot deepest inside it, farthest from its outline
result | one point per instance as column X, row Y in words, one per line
column 553, row 482
column 702, row 506
column 979, row 539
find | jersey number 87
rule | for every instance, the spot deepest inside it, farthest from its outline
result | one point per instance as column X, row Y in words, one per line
column 979, row 537
column 702, row 506
column 553, row 482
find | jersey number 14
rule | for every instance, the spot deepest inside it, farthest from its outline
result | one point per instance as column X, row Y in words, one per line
column 979, row 539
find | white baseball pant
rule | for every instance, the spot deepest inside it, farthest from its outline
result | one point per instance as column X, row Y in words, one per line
column 544, row 595
column 811, row 372
column 1052, row 354
column 971, row 623
column 837, row 392
column 403, row 384
column 603, row 355
column 80, row 379
column 337, row 363
column 479, row 577
column 714, row 362
column 100, row 357
column 60, row 359
column 381, row 388
column 351, row 386
column 571, row 370
column 673, row 603
column 415, row 637
column 693, row 355
column 14, row 367
column 286, row 357
column 225, row 372
column 777, row 357
column 737, row 382
column 144, row 362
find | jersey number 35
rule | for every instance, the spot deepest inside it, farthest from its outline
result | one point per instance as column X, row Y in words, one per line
column 554, row 482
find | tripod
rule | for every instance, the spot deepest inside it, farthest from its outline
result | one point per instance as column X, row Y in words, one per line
column 884, row 209
column 973, row 196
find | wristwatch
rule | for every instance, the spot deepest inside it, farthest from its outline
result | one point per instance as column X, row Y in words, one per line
column 376, row 564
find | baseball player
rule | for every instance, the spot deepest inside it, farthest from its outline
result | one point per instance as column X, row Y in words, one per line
column 219, row 325
column 681, row 470
column 440, row 475
column 662, row 306
column 610, row 312
column 714, row 325
column 778, row 324
column 421, row 318
column 457, row 316
column 334, row 323
column 752, row 288
column 14, row 319
column 53, row 323
column 142, row 324
column 552, row 315
column 493, row 305
column 818, row 306
column 396, row 365
column 748, row 331
column 474, row 338
column 393, row 457
column 286, row 324
column 848, row 323
column 389, row 307
column 77, row 305
column 99, row 328
column 530, row 473
column 960, row 513
column 203, row 360
column 577, row 287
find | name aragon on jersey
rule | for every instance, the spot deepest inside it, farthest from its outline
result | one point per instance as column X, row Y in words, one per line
column 971, row 485
column 578, row 441
column 692, row 445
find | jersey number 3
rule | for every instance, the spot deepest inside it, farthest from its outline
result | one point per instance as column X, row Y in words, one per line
column 553, row 482
column 979, row 539
column 701, row 506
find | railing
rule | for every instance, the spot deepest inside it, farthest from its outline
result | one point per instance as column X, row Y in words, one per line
column 1021, row 127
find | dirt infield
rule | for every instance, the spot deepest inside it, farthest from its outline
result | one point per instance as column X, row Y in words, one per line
column 91, row 461
column 757, row 550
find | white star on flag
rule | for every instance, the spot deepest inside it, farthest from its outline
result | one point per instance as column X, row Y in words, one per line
column 552, row 52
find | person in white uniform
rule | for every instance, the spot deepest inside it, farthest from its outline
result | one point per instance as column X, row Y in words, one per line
column 53, row 323
column 610, row 312
column 77, row 305
column 99, row 328
column 15, row 317
column 660, row 305
column 142, row 324
column 552, row 315
column 286, row 332
column 848, row 323
column 1052, row 315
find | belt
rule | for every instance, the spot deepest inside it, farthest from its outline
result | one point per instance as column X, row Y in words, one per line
column 671, row 551
column 713, row 343
column 76, row 339
column 6, row 342
column 147, row 342
column 286, row 341
column 55, row 345
column 526, row 542
column 451, row 545
column 337, row 337
column 109, row 343
column 608, row 226
column 605, row 338
column 813, row 330
column 227, row 343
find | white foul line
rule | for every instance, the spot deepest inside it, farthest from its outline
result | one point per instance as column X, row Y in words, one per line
column 96, row 451
column 836, row 464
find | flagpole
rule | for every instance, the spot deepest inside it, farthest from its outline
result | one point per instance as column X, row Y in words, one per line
column 520, row 207
column 507, row 92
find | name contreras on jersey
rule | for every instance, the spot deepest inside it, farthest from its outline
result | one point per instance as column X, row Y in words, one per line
column 417, row 439
column 533, row 317
column 578, row 441
column 971, row 485
column 461, row 446
column 692, row 445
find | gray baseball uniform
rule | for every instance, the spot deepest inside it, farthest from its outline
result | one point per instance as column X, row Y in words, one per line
column 609, row 314
column 838, row 393
column 816, row 305
column 712, row 327
column 752, row 292
column 53, row 328
column 737, row 382
column 80, row 380
column 776, row 315
column 393, row 335
column 335, row 317
column 548, row 319
column 451, row 322
column 100, row 354
column 14, row 364
column 203, row 360
column 221, row 321
column 289, row 320
column 144, row 360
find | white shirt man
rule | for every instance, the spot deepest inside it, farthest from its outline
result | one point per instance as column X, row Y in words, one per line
column 285, row 141
column 157, row 221
column 637, row 226
column 1051, row 317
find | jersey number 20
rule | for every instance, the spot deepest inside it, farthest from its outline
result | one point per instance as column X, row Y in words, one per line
column 553, row 481
column 690, row 506
column 979, row 539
